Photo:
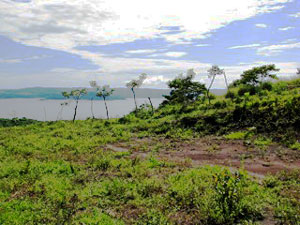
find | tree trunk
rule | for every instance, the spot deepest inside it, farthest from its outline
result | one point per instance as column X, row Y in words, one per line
column 136, row 108
column 212, row 81
column 75, row 112
column 106, row 108
column 92, row 108
column 151, row 105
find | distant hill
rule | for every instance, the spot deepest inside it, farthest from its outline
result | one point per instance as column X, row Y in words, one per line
column 55, row 93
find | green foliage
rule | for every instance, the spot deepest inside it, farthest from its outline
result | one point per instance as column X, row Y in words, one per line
column 295, row 146
column 257, row 75
column 62, row 173
column 16, row 122
column 75, row 94
column 184, row 90
column 65, row 173
column 230, row 94
column 262, row 141
column 236, row 135
column 104, row 92
column 216, row 196
column 287, row 206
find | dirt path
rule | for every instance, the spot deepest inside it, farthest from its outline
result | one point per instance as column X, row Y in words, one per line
column 258, row 161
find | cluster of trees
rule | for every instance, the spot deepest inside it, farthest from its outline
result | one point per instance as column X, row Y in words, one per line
column 102, row 92
column 184, row 89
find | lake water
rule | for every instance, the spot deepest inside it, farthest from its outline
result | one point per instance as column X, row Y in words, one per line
column 46, row 110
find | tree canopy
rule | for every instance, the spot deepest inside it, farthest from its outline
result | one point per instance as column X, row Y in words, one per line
column 184, row 89
column 257, row 75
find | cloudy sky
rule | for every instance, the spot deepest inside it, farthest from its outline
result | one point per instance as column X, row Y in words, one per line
column 63, row 43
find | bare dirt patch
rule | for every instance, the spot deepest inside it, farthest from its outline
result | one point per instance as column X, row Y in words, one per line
column 209, row 150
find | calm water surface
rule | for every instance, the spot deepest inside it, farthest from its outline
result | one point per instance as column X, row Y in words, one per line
column 46, row 110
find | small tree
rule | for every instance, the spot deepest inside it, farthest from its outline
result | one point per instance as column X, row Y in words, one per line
column 152, row 108
column 215, row 71
column 136, row 83
column 257, row 75
column 212, row 73
column 184, row 89
column 105, row 92
column 75, row 95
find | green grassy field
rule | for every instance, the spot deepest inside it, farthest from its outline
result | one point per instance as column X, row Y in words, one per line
column 63, row 173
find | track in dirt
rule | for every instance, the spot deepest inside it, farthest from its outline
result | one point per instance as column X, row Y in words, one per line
column 258, row 161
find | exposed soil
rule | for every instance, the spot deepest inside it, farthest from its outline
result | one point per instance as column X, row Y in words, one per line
column 259, row 161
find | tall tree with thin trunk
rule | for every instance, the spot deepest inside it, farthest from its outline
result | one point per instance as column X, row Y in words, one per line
column 212, row 73
column 152, row 108
column 75, row 95
column 136, row 83
column 105, row 92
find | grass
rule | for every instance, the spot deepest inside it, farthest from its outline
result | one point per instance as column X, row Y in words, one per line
column 63, row 173
column 295, row 146
column 240, row 135
column 60, row 172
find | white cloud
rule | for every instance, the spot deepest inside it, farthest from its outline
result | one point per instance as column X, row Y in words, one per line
column 8, row 61
column 202, row 45
column 285, row 28
column 141, row 51
column 297, row 15
column 261, row 25
column 20, row 60
column 159, row 80
column 290, row 40
column 64, row 24
column 175, row 54
column 245, row 46
column 159, row 72
column 276, row 49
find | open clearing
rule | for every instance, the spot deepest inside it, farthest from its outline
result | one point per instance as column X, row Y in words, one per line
column 257, row 160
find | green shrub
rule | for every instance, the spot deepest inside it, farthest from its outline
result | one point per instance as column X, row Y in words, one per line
column 230, row 94
column 236, row 135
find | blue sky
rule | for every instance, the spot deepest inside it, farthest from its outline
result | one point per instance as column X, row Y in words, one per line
column 61, row 43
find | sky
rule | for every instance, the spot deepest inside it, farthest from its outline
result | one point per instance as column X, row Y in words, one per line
column 63, row 43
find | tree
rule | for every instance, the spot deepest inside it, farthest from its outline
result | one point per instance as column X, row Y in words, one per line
column 212, row 73
column 152, row 108
column 257, row 75
column 105, row 92
column 136, row 83
column 75, row 95
column 215, row 71
column 298, row 71
column 184, row 89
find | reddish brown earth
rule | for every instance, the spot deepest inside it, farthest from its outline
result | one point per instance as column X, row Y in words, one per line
column 259, row 161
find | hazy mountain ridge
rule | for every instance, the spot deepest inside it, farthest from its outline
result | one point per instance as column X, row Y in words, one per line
column 55, row 93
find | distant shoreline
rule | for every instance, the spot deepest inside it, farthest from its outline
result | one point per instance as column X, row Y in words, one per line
column 55, row 93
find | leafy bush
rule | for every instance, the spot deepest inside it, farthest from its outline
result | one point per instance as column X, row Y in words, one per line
column 184, row 90
column 16, row 122
column 236, row 135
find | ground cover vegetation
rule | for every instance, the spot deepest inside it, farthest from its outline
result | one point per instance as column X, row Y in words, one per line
column 143, row 168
